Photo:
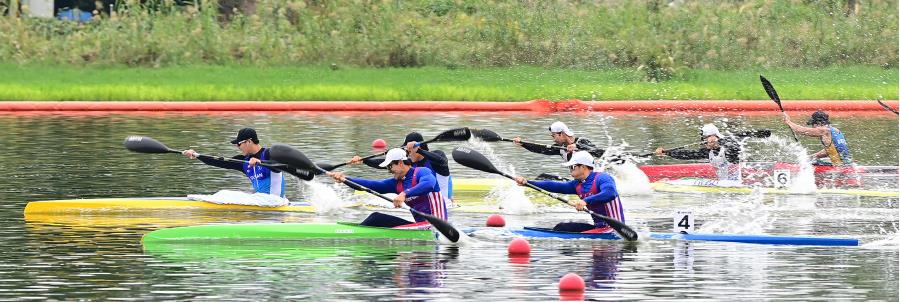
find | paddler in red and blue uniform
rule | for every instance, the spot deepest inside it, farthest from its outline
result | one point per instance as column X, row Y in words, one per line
column 414, row 186
column 836, row 148
column 597, row 191
column 263, row 179
column 420, row 156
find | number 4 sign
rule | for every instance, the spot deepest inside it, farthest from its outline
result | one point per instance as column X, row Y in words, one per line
column 683, row 221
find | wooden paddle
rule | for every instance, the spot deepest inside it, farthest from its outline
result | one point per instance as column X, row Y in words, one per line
column 452, row 135
column 770, row 90
column 491, row 136
column 888, row 108
column 294, row 158
column 143, row 144
column 472, row 159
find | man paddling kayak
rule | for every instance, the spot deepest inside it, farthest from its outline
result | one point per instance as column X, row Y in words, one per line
column 420, row 156
column 263, row 179
column 723, row 153
column 562, row 137
column 597, row 191
column 415, row 186
column 836, row 148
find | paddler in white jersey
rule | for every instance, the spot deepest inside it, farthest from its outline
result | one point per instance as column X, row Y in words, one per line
column 722, row 152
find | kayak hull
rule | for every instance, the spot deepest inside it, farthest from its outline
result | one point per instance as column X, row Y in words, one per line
column 677, row 188
column 282, row 231
column 535, row 232
column 137, row 204
column 757, row 172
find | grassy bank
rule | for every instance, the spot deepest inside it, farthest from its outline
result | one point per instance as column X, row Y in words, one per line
column 662, row 38
column 241, row 83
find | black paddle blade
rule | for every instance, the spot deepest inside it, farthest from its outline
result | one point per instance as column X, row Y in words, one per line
column 453, row 135
column 472, row 159
column 764, row 133
column 292, row 157
column 143, row 144
column 770, row 90
column 487, row 135
column 442, row 226
column 623, row 230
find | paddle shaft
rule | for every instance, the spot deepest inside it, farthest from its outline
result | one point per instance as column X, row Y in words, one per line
column 443, row 135
column 888, row 107
column 560, row 148
column 623, row 230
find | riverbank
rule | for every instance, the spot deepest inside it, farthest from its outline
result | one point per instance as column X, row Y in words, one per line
column 338, row 83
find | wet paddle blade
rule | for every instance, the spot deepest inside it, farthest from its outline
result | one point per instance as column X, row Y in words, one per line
column 472, row 159
column 143, row 144
column 770, row 90
column 487, row 135
column 623, row 230
column 292, row 157
column 442, row 226
column 453, row 135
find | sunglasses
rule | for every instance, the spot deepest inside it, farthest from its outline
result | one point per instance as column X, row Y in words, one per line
column 241, row 142
column 391, row 165
column 572, row 167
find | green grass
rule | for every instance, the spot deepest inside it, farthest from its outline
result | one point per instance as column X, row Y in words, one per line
column 242, row 83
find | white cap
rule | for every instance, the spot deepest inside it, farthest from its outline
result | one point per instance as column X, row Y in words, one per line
column 580, row 158
column 558, row 126
column 392, row 155
column 710, row 129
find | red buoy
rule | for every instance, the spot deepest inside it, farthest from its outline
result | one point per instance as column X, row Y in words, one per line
column 519, row 247
column 379, row 144
column 495, row 220
column 571, row 282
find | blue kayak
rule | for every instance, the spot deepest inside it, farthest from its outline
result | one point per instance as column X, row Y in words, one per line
column 755, row 239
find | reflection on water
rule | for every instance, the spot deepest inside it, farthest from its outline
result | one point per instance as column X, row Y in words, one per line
column 98, row 257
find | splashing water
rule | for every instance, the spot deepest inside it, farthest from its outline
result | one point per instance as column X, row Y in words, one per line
column 804, row 182
column 323, row 197
column 886, row 239
column 747, row 216
column 630, row 180
column 509, row 197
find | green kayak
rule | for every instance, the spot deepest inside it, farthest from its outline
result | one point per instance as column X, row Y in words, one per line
column 282, row 231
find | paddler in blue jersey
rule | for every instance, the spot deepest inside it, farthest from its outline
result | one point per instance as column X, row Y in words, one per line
column 722, row 152
column 597, row 191
column 263, row 179
column 420, row 156
column 836, row 148
column 415, row 186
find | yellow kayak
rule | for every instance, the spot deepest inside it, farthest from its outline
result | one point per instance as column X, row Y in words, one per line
column 148, row 204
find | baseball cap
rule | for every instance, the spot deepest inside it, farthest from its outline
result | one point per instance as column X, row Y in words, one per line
column 558, row 126
column 392, row 155
column 580, row 158
column 245, row 134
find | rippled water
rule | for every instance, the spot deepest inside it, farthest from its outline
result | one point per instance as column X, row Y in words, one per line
column 99, row 257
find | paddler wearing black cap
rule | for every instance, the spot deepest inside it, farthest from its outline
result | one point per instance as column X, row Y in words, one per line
column 565, row 138
column 836, row 148
column 263, row 179
column 597, row 191
column 420, row 156
column 723, row 153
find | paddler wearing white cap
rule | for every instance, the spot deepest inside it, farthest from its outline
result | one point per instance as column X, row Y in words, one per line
column 723, row 153
column 597, row 191
column 564, row 138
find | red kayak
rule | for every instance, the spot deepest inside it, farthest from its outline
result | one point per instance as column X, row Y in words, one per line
column 754, row 173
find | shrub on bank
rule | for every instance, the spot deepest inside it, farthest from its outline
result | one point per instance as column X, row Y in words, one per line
column 660, row 38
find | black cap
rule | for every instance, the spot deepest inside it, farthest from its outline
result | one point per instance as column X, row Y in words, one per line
column 245, row 134
column 416, row 137
column 818, row 118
